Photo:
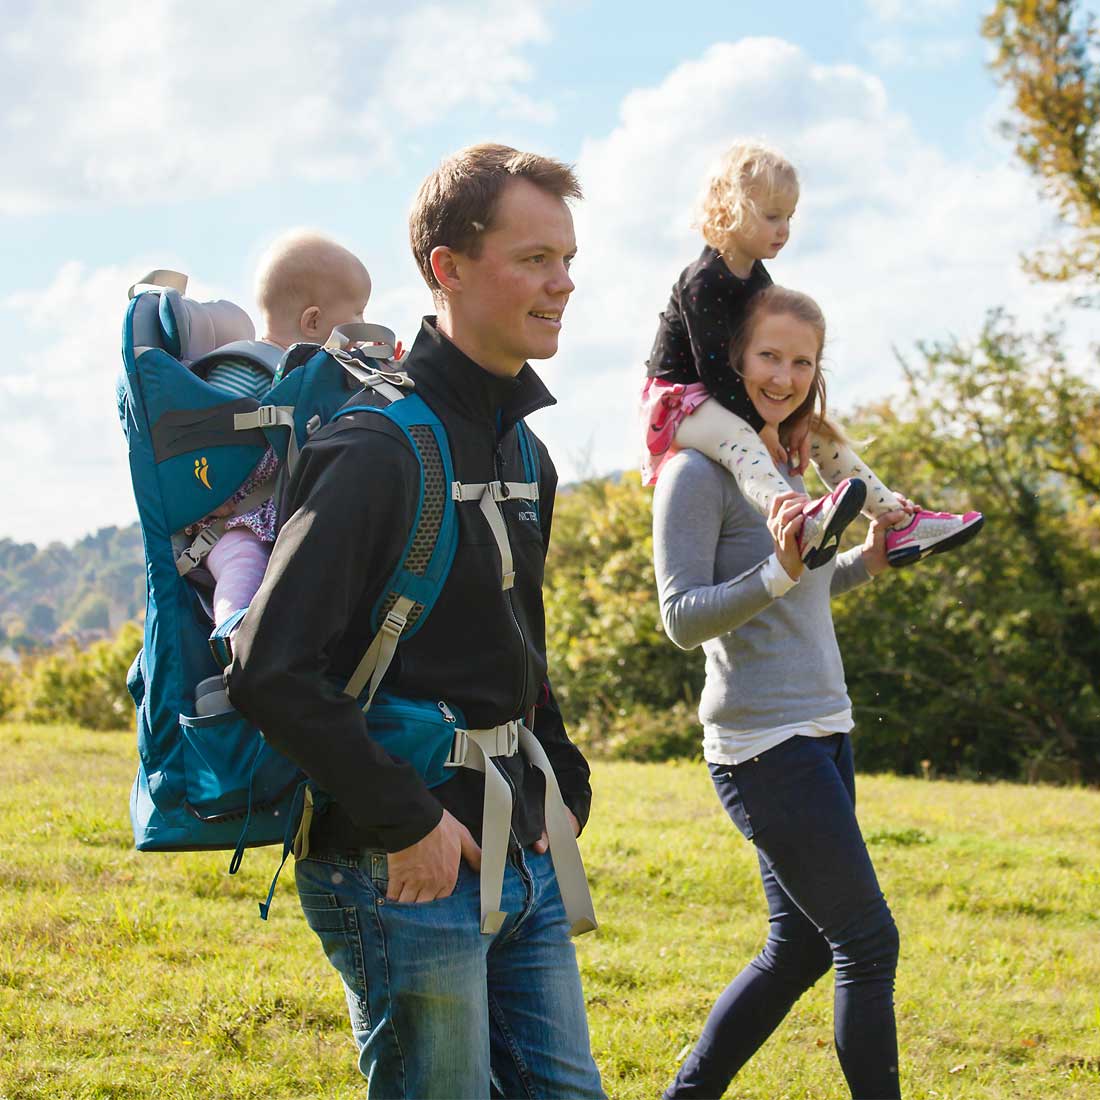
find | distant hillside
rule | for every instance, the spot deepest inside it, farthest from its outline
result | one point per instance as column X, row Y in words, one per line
column 85, row 591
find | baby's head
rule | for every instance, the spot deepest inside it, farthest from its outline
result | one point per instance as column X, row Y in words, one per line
column 748, row 202
column 306, row 285
column 777, row 351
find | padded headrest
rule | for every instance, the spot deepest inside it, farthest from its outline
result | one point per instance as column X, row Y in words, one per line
column 193, row 329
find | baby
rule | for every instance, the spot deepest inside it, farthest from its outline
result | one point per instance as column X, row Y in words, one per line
column 306, row 285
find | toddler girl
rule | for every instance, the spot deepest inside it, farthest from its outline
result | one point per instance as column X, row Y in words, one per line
column 692, row 397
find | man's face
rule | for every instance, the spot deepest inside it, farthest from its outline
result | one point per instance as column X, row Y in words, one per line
column 508, row 304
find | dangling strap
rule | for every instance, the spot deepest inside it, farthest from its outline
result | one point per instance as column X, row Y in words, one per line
column 475, row 749
column 488, row 495
column 568, row 865
column 303, row 801
column 192, row 555
column 380, row 653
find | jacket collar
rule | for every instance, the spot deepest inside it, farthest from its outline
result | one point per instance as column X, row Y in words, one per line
column 446, row 375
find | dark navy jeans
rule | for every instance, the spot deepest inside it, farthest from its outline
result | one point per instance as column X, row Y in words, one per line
column 796, row 803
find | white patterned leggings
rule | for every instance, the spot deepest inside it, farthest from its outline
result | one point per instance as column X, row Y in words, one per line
column 728, row 440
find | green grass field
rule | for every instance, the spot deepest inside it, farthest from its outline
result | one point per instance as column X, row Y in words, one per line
column 129, row 975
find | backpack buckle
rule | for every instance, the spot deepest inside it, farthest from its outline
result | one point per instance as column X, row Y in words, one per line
column 267, row 416
column 460, row 746
column 191, row 556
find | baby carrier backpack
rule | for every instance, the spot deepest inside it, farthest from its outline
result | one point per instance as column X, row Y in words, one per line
column 209, row 781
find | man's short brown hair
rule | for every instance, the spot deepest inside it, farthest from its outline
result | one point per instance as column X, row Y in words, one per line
column 456, row 204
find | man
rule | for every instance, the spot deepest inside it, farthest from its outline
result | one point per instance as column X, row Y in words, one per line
column 445, row 1000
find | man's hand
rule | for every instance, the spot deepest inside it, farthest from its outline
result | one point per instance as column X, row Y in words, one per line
column 428, row 869
column 770, row 436
column 543, row 843
column 785, row 520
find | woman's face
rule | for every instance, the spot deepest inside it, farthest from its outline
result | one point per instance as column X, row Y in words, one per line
column 779, row 365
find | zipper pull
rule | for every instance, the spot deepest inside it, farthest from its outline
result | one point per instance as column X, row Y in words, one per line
column 446, row 712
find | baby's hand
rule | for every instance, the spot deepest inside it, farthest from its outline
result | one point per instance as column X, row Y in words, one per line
column 770, row 436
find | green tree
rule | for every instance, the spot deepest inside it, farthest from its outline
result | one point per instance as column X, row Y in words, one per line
column 1047, row 52
column 987, row 660
column 609, row 656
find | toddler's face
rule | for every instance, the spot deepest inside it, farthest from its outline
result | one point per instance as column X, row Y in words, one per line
column 768, row 226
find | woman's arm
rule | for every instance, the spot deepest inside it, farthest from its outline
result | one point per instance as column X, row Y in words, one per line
column 863, row 563
column 689, row 506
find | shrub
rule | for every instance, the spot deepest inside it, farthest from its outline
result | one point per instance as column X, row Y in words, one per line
column 87, row 686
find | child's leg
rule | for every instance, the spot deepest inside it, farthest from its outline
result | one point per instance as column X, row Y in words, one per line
column 835, row 461
column 728, row 440
column 237, row 562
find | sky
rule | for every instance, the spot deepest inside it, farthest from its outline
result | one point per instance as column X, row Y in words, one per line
column 152, row 133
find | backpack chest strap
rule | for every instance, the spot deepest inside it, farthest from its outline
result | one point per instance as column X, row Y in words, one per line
column 475, row 749
column 489, row 496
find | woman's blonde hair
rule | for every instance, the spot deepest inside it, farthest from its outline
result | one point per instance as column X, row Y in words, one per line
column 747, row 176
column 779, row 301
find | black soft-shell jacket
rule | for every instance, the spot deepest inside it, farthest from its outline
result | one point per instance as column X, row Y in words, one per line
column 350, row 507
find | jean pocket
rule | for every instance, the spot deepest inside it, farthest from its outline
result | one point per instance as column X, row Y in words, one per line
column 375, row 867
column 725, row 779
column 337, row 927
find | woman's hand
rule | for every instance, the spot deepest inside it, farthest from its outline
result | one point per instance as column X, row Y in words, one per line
column 785, row 520
column 874, row 545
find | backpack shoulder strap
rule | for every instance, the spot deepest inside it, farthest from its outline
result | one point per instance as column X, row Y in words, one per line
column 412, row 589
column 490, row 495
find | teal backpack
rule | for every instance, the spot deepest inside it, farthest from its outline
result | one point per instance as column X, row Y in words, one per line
column 209, row 780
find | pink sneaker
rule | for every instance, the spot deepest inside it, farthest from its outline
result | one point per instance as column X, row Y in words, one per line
column 930, row 533
column 826, row 519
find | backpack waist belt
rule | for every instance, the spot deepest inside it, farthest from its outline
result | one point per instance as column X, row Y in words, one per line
column 474, row 749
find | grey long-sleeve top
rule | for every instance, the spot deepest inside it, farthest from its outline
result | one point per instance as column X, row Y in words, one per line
column 770, row 663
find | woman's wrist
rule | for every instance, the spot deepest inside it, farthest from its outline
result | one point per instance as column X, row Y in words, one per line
column 776, row 579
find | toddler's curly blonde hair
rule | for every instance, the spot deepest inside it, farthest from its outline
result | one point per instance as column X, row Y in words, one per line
column 747, row 176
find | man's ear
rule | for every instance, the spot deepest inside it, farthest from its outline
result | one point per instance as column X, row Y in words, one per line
column 309, row 324
column 447, row 268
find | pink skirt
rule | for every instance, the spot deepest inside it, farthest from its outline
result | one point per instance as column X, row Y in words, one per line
column 663, row 406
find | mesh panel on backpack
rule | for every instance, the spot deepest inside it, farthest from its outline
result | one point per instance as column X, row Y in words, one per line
column 431, row 515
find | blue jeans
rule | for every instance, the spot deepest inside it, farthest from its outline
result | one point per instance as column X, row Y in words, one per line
column 796, row 803
column 439, row 1010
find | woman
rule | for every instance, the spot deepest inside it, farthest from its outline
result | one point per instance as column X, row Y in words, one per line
column 776, row 718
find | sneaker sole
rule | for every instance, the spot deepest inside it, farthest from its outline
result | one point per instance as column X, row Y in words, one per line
column 847, row 508
column 910, row 555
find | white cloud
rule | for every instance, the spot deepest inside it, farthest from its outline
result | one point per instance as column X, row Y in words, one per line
column 898, row 52
column 125, row 100
column 912, row 11
column 68, row 470
column 896, row 241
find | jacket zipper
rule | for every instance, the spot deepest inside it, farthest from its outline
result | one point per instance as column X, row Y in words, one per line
column 499, row 459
